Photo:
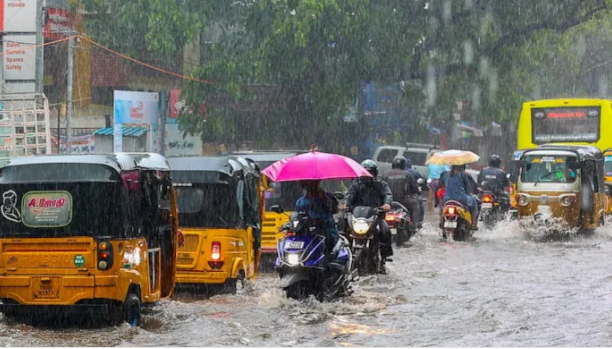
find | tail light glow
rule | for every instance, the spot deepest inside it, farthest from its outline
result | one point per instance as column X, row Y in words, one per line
column 487, row 198
column 451, row 210
column 215, row 251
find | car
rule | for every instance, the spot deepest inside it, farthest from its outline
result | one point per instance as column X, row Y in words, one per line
column 417, row 153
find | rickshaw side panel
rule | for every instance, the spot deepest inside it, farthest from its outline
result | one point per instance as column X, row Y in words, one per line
column 37, row 272
column 270, row 230
column 194, row 262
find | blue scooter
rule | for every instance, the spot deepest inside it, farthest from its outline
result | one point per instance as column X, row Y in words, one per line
column 302, row 265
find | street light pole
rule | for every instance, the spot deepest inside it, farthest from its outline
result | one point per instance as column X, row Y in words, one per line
column 69, row 96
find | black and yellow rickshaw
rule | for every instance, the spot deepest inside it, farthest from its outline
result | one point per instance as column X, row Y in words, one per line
column 561, row 187
column 220, row 212
column 87, row 232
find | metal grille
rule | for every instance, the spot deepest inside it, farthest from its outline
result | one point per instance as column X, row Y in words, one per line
column 191, row 243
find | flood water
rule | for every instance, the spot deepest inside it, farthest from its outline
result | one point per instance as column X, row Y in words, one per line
column 502, row 289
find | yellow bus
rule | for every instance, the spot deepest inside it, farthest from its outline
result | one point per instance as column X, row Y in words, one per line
column 578, row 121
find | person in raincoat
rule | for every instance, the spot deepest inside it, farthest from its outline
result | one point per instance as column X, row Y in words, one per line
column 459, row 187
column 321, row 207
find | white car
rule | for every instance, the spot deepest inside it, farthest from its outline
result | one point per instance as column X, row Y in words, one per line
column 417, row 153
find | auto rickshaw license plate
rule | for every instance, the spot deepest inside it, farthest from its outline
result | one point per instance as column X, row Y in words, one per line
column 450, row 224
column 46, row 288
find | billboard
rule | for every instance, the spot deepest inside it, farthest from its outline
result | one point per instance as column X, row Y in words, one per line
column 138, row 109
column 19, row 62
column 18, row 16
column 59, row 23
column 175, row 143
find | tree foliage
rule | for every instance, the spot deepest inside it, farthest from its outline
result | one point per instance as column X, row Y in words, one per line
column 495, row 53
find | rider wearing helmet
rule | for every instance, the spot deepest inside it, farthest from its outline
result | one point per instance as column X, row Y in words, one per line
column 404, row 188
column 373, row 192
column 496, row 179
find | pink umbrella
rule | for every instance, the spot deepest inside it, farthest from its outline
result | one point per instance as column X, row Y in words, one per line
column 315, row 166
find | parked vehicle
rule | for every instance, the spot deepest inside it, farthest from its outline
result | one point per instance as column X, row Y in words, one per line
column 87, row 232
column 417, row 153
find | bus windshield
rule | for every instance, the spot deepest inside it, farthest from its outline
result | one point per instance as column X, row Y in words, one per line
column 565, row 124
column 548, row 169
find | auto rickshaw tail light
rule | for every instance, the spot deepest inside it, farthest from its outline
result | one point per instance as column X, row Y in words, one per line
column 105, row 256
column 215, row 251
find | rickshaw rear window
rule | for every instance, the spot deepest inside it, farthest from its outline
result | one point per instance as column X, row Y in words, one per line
column 56, row 173
column 207, row 206
column 548, row 169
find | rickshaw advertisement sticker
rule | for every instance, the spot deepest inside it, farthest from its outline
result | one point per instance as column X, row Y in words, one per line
column 41, row 209
column 79, row 260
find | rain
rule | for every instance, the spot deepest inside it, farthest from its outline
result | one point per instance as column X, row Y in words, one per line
column 310, row 173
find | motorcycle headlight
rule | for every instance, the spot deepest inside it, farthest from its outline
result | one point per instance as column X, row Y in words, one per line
column 523, row 200
column 360, row 227
column 293, row 259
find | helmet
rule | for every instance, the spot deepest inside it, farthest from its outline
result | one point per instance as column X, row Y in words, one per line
column 495, row 161
column 399, row 162
column 370, row 166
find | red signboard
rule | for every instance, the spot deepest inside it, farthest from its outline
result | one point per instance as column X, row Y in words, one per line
column 59, row 23
column 564, row 115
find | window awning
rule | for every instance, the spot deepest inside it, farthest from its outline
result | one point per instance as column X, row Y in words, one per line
column 125, row 131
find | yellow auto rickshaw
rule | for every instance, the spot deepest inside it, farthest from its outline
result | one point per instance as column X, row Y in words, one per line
column 87, row 231
column 282, row 194
column 608, row 176
column 561, row 187
column 220, row 213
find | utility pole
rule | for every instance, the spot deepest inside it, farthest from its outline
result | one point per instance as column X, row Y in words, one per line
column 40, row 23
column 163, row 118
column 69, row 96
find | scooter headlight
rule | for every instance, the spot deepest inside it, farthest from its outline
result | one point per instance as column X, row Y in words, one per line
column 360, row 226
column 293, row 259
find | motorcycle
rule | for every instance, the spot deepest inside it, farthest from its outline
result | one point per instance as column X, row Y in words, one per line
column 400, row 224
column 363, row 225
column 493, row 208
column 456, row 221
column 302, row 265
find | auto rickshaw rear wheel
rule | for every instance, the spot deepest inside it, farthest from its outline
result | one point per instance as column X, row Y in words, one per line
column 131, row 310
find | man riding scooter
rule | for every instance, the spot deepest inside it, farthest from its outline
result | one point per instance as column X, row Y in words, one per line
column 404, row 188
column 373, row 192
column 497, row 181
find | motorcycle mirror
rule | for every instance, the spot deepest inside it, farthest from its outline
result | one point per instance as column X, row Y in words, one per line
column 276, row 209
column 338, row 195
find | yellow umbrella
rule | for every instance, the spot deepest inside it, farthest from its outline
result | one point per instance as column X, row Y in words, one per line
column 453, row 157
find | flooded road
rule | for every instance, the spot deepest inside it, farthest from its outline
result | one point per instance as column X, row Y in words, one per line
column 500, row 290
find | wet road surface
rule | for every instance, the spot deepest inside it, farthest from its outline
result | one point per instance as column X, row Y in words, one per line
column 502, row 289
